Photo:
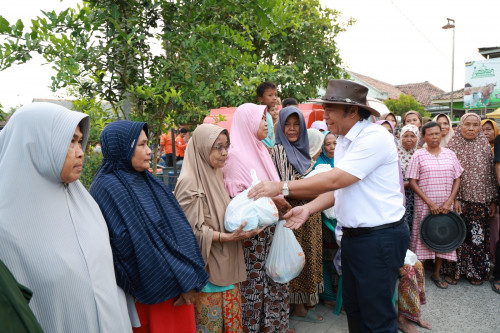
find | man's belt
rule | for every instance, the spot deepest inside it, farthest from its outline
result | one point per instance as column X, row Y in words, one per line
column 353, row 232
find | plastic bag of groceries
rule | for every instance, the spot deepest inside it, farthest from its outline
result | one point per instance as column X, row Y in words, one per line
column 286, row 258
column 258, row 213
column 329, row 213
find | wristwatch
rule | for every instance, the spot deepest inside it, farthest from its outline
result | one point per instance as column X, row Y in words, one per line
column 285, row 191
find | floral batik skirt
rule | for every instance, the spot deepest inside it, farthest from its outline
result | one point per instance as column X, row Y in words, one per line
column 306, row 287
column 473, row 260
column 411, row 290
column 219, row 312
column 265, row 303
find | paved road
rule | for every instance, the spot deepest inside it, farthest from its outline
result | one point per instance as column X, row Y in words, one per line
column 463, row 308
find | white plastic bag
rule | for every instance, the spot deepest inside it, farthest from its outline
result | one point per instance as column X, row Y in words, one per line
column 329, row 212
column 258, row 213
column 286, row 258
column 411, row 258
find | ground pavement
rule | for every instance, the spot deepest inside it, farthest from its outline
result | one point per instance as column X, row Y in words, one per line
column 463, row 308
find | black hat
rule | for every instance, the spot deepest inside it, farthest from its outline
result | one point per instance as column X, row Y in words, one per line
column 346, row 93
column 443, row 232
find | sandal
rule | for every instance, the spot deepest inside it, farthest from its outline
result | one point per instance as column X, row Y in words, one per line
column 475, row 282
column 450, row 280
column 439, row 283
column 310, row 317
column 495, row 284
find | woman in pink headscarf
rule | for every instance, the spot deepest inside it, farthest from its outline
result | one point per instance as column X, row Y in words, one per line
column 265, row 303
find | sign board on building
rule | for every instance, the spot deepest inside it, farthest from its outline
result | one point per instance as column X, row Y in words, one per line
column 482, row 84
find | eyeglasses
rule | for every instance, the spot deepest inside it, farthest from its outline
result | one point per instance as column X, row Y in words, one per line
column 220, row 147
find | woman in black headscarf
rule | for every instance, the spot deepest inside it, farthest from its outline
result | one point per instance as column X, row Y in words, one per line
column 292, row 160
column 156, row 256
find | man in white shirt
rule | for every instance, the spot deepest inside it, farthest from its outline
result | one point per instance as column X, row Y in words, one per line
column 368, row 205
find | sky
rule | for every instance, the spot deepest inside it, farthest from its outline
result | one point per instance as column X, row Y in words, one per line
column 395, row 41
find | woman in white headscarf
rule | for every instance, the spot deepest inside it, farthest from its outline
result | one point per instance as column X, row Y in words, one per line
column 53, row 237
column 446, row 130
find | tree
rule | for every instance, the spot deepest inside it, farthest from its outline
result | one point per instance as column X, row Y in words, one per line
column 169, row 62
column 404, row 104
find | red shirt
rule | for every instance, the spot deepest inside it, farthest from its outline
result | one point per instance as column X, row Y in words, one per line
column 180, row 146
column 166, row 142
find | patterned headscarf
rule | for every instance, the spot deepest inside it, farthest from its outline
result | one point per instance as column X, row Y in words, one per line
column 451, row 132
column 478, row 181
column 297, row 152
column 405, row 155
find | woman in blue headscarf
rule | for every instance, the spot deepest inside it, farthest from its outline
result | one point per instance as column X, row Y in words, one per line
column 330, row 246
column 328, row 150
column 292, row 160
column 156, row 256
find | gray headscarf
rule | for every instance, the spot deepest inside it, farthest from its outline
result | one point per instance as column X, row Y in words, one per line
column 297, row 152
column 53, row 237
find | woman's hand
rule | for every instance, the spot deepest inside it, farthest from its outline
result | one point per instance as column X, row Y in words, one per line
column 493, row 209
column 457, row 207
column 240, row 234
column 282, row 205
column 265, row 189
column 186, row 298
column 445, row 207
column 434, row 208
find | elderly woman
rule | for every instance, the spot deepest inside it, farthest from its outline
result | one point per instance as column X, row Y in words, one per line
column 53, row 237
column 328, row 149
column 265, row 303
column 407, row 146
column 414, row 118
column 434, row 174
column 446, row 131
column 330, row 276
column 156, row 255
column 203, row 198
column 293, row 161
column 476, row 200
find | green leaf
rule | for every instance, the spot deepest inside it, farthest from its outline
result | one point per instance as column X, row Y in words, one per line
column 4, row 25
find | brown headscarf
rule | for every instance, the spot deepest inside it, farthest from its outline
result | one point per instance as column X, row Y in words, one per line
column 495, row 128
column 478, row 181
column 201, row 193
column 385, row 115
column 415, row 113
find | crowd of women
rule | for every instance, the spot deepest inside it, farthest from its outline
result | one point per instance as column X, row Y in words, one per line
column 133, row 256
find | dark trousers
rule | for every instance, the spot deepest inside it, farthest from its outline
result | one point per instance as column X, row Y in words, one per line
column 496, row 271
column 370, row 269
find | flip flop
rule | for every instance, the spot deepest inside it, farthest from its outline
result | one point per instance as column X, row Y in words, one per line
column 439, row 282
column 450, row 280
column 310, row 317
column 476, row 282
column 493, row 284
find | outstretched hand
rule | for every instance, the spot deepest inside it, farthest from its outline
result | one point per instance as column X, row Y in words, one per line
column 296, row 217
column 265, row 189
